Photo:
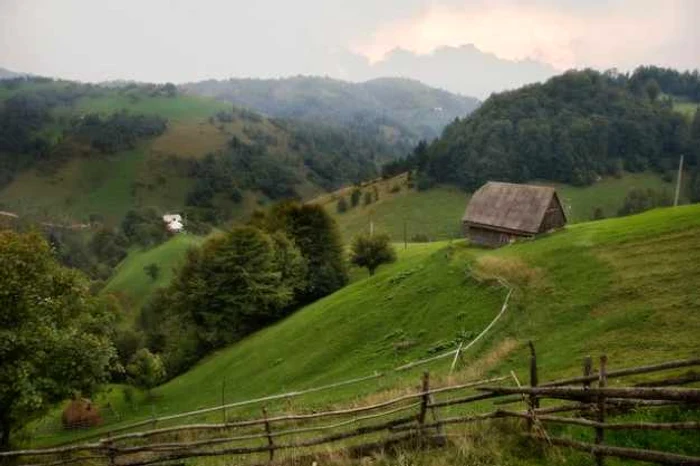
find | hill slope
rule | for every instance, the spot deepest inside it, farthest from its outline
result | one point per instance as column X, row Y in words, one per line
column 409, row 109
column 625, row 286
column 435, row 214
column 574, row 129
column 70, row 150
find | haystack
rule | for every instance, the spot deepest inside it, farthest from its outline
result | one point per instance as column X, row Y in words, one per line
column 81, row 413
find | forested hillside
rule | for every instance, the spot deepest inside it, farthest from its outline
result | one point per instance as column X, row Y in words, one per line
column 77, row 153
column 574, row 129
column 393, row 109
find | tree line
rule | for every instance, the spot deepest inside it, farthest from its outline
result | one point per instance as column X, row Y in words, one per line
column 575, row 128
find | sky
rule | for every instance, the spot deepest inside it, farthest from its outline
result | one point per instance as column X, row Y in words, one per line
column 188, row 40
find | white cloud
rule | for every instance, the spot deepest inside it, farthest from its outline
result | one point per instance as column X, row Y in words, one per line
column 621, row 34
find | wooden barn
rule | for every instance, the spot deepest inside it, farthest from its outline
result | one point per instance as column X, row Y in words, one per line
column 499, row 213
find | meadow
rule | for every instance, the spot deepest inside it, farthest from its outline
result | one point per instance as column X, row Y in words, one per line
column 625, row 287
column 436, row 213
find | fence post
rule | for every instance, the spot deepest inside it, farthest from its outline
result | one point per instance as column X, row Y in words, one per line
column 600, row 431
column 110, row 449
column 587, row 371
column 534, row 401
column 223, row 400
column 424, row 401
column 268, row 431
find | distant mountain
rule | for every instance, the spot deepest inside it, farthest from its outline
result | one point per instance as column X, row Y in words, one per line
column 7, row 74
column 465, row 70
column 404, row 109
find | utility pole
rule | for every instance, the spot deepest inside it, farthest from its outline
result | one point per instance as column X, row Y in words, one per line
column 405, row 239
column 678, row 181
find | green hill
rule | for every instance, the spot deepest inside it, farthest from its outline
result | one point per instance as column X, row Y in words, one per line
column 573, row 129
column 626, row 287
column 72, row 152
column 435, row 213
column 133, row 286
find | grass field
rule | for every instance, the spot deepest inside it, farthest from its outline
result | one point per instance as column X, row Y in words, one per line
column 686, row 108
column 436, row 213
column 625, row 286
column 132, row 286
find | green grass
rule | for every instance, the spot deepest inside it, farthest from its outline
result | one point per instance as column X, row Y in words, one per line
column 437, row 212
column 130, row 282
column 608, row 194
column 626, row 287
column 686, row 108
column 182, row 107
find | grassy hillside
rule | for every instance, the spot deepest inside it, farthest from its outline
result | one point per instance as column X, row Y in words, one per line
column 130, row 282
column 436, row 213
column 69, row 179
column 624, row 286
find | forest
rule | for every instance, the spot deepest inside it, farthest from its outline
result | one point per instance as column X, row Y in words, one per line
column 574, row 129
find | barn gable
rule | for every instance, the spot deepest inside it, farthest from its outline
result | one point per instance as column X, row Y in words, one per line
column 512, row 210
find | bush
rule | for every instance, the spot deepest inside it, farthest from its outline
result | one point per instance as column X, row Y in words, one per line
column 396, row 188
column 342, row 205
column 420, row 238
column 424, row 182
column 146, row 369
column 640, row 200
column 355, row 197
column 371, row 251
column 367, row 198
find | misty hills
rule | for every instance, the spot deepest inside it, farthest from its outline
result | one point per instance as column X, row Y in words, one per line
column 7, row 74
column 404, row 109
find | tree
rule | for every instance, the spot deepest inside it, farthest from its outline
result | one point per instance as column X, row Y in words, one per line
column 355, row 197
column 371, row 251
column 652, row 89
column 316, row 235
column 146, row 370
column 695, row 127
column 153, row 271
column 54, row 336
column 342, row 205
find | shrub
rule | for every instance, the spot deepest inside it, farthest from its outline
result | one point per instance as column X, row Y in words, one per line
column 371, row 251
column 342, row 205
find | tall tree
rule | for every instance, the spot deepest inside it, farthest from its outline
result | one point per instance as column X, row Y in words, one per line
column 54, row 336
column 316, row 235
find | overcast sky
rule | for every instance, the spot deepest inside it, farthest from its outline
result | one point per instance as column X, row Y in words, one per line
column 183, row 40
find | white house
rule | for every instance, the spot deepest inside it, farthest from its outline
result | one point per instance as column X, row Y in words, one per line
column 173, row 222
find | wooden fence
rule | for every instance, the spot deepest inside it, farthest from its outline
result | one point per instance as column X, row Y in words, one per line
column 417, row 417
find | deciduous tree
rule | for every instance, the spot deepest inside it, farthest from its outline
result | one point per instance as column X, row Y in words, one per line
column 54, row 336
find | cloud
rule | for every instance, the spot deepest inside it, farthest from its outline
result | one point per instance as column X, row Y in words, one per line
column 620, row 34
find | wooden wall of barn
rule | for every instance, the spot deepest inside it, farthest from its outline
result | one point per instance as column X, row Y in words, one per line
column 554, row 216
column 486, row 237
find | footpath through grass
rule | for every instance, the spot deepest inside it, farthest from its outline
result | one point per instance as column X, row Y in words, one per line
column 626, row 287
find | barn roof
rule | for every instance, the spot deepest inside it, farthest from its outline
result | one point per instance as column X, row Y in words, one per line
column 517, row 207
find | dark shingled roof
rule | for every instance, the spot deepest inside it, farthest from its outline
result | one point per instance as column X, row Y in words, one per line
column 517, row 207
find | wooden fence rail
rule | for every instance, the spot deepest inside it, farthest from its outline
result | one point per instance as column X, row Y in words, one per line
column 405, row 418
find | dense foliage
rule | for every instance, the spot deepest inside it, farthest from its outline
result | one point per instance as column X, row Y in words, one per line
column 54, row 337
column 316, row 235
column 236, row 283
column 684, row 84
column 117, row 132
column 574, row 128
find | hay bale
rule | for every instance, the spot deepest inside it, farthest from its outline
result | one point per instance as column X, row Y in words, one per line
column 81, row 413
